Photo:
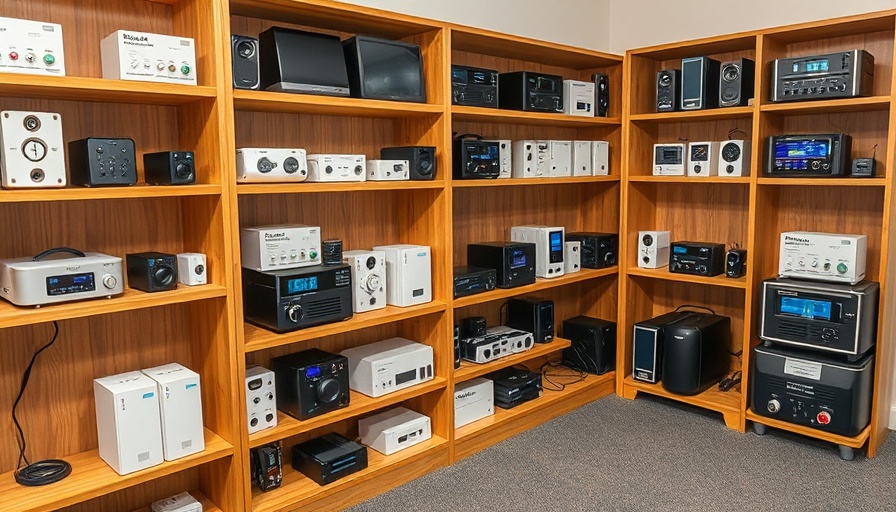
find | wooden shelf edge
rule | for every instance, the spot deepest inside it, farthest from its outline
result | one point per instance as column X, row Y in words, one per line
column 524, row 182
column 865, row 104
column 284, row 102
column 853, row 442
column 705, row 400
column 664, row 275
column 85, row 193
column 470, row 370
column 506, row 116
column 823, row 182
column 317, row 188
column 714, row 114
column 76, row 88
column 743, row 180
column 540, row 284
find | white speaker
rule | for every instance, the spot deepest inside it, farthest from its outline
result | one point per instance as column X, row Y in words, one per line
column 368, row 279
column 32, row 153
column 261, row 398
column 703, row 159
column 572, row 257
column 734, row 158
column 561, row 158
column 653, row 249
column 191, row 268
column 505, row 157
column 600, row 158
column 408, row 274
column 581, row 158
column 531, row 159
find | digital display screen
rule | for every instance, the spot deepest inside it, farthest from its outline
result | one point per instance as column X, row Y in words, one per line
column 691, row 79
column 806, row 308
column 485, row 153
column 517, row 259
column 811, row 66
column 483, row 77
column 312, row 371
column 680, row 249
column 803, row 149
column 304, row 284
column 71, row 283
column 556, row 241
column 668, row 155
column 459, row 75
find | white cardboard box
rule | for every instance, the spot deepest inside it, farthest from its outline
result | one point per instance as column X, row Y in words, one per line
column 128, row 421
column 473, row 400
column 180, row 401
column 394, row 430
column 182, row 502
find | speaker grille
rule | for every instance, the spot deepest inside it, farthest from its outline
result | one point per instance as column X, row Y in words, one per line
column 326, row 307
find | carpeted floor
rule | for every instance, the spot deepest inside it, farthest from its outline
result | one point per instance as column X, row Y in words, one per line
column 651, row 454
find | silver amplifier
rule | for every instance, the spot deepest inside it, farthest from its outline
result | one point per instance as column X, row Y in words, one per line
column 35, row 281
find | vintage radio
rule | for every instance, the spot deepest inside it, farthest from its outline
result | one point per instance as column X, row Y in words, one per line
column 476, row 87
column 271, row 165
column 531, row 159
column 332, row 168
column 473, row 280
column 310, row 383
column 475, row 159
column 826, row 317
column 819, row 77
column 823, row 256
column 669, row 159
column 525, row 90
column 599, row 250
column 703, row 159
column 807, row 155
column 280, row 247
column 32, row 47
column 699, row 83
column 296, row 61
column 130, row 55
column 697, row 258
column 578, row 98
column 514, row 262
column 593, row 347
column 531, row 314
column 389, row 365
column 548, row 242
column 328, row 458
column 36, row 281
column 383, row 69
column 286, row 300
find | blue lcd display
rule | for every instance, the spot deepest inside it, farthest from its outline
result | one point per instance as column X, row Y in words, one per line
column 802, row 149
column 806, row 308
column 312, row 371
column 811, row 66
column 556, row 241
column 679, row 249
column 304, row 284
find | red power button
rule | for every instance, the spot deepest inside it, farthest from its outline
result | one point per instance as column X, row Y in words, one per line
column 13, row 56
column 823, row 417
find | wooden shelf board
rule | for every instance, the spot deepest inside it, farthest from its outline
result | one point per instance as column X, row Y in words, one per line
column 314, row 188
column 713, row 114
column 823, row 107
column 358, row 404
column 12, row 316
column 740, row 42
column 502, row 116
column 475, row 40
column 690, row 179
column 853, row 442
column 539, row 284
column 724, row 402
column 207, row 505
column 824, row 182
column 470, row 370
column 524, row 182
column 92, row 477
column 76, row 88
column 297, row 491
column 665, row 275
column 857, row 25
column 258, row 338
column 282, row 102
column 87, row 193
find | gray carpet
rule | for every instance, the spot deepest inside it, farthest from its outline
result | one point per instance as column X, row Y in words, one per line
column 651, row 454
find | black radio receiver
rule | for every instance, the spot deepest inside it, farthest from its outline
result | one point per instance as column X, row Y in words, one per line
column 476, row 159
column 698, row 258
column 474, row 86
column 525, row 90
column 807, row 155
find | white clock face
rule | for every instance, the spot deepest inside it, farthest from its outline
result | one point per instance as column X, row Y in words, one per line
column 34, row 149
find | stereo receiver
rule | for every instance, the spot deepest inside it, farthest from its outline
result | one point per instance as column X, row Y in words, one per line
column 389, row 365
column 514, row 262
column 473, row 280
column 332, row 168
column 807, row 155
column 525, row 90
column 823, row 256
column 599, row 250
column 35, row 281
column 474, row 86
column 697, row 258
column 475, row 159
column 328, row 458
column 821, row 77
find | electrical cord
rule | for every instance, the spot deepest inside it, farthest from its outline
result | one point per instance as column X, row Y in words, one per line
column 46, row 471
column 552, row 377
column 729, row 382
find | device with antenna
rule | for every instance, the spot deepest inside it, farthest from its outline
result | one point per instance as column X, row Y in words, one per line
column 864, row 167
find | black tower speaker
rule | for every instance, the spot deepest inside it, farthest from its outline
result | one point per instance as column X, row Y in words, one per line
column 668, row 84
column 699, row 83
column 736, row 82
column 695, row 353
column 593, row 348
column 422, row 159
column 245, row 62
column 601, row 94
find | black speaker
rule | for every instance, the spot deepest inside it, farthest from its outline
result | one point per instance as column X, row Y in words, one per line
column 169, row 168
column 152, row 271
column 601, row 94
column 456, row 346
column 98, row 162
column 699, row 83
column 244, row 51
column 695, row 353
column 311, row 382
column 668, row 83
column 736, row 263
column 593, row 348
column 736, row 82
column 422, row 159
column 533, row 315
column 331, row 252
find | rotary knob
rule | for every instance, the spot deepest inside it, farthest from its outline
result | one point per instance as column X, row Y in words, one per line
column 110, row 281
column 295, row 313
column 358, row 170
column 183, row 171
column 265, row 165
column 372, row 283
column 164, row 276
column 328, row 390
column 774, row 406
column 610, row 258
column 291, row 165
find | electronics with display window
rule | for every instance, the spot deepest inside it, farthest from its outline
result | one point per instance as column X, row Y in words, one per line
column 599, row 250
column 533, row 315
column 736, row 263
column 601, row 94
column 381, row 69
column 408, row 274
column 128, row 422
column 862, row 168
column 653, row 248
column 561, row 158
column 146, row 57
column 169, row 168
column 734, row 158
column 475, row 87
column 823, row 256
column 669, row 159
column 99, row 162
column 845, row 74
column 180, row 402
column 38, row 280
column 368, row 278
column 515, row 386
column 182, row 502
column 310, row 383
column 699, row 83
column 697, row 258
column 390, row 365
column 526, row 90
column 394, row 430
column 797, row 156
column 334, row 168
column 32, row 154
column 261, row 398
column 505, row 157
column 331, row 252
column 668, row 90
column 578, row 98
column 422, row 159
column 475, row 159
column 328, row 458
column 703, row 159
column 827, row 317
column 152, row 271
column 531, row 159
column 736, row 82
column 581, row 158
column 191, row 269
column 280, row 247
column 31, row 47
column 600, row 158
column 647, row 347
column 812, row 390
column 287, row 300
column 244, row 57
column 514, row 262
column 271, row 165
column 470, row 280
column 695, row 352
column 473, row 400
column 593, row 347
column 388, row 170
column 572, row 256
column 302, row 62
column 548, row 242
column 266, row 466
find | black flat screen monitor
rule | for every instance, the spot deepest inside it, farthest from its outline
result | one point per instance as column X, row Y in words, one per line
column 384, row 70
column 302, row 62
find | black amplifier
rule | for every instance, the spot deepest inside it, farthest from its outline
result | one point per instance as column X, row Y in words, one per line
column 599, row 250
column 828, row 317
column 697, row 258
column 515, row 386
column 476, row 159
column 476, row 87
column 795, row 156
column 823, row 77
column 812, row 390
column 287, row 300
column 473, row 280
column 310, row 383
column 328, row 458
column 525, row 90
column 514, row 262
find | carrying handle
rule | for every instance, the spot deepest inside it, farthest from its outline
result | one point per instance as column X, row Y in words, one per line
column 695, row 307
column 56, row 250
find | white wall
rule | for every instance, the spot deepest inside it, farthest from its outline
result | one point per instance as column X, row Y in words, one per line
column 582, row 23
